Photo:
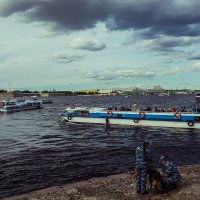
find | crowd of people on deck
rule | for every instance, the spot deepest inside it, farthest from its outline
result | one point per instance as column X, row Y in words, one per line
column 193, row 108
column 122, row 108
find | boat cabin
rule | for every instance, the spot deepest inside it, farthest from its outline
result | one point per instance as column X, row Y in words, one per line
column 7, row 103
column 78, row 112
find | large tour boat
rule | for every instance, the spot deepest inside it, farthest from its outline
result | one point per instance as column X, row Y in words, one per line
column 131, row 118
column 14, row 105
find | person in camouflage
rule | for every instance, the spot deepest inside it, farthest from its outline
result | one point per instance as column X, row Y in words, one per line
column 171, row 175
column 143, row 160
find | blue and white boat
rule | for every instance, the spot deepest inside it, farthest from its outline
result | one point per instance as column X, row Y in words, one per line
column 14, row 105
column 131, row 118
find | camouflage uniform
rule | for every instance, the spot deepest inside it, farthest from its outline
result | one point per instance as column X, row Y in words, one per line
column 142, row 166
column 171, row 174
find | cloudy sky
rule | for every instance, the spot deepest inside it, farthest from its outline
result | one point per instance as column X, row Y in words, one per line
column 90, row 44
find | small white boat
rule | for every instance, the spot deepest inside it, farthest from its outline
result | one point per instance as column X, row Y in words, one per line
column 164, row 94
column 131, row 118
column 14, row 105
column 44, row 101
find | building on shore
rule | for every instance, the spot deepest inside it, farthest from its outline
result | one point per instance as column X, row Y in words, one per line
column 156, row 90
column 6, row 95
column 105, row 91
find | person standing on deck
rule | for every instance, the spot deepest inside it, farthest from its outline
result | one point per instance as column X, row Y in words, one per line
column 194, row 109
column 143, row 161
column 133, row 106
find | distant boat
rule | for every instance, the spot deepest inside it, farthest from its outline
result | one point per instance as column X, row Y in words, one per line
column 14, row 105
column 164, row 94
column 45, row 101
column 131, row 118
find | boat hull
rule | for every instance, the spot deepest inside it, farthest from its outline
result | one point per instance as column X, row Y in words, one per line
column 5, row 110
column 133, row 122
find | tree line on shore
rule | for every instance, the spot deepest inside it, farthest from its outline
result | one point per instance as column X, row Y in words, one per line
column 92, row 92
column 51, row 92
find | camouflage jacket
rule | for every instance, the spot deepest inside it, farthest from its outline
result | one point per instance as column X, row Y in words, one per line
column 171, row 171
column 141, row 160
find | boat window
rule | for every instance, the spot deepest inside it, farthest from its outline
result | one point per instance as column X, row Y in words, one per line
column 119, row 115
column 36, row 103
column 83, row 113
column 10, row 103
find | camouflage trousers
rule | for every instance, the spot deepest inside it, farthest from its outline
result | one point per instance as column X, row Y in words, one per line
column 141, row 179
column 169, row 182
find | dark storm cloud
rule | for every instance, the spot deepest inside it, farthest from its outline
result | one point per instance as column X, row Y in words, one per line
column 8, row 7
column 172, row 17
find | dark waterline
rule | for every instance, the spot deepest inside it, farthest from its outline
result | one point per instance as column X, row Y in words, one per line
column 37, row 150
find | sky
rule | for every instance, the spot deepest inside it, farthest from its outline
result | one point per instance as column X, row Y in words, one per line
column 99, row 44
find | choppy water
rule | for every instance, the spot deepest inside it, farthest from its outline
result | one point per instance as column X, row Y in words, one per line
column 37, row 150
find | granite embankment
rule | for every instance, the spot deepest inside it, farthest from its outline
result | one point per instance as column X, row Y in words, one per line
column 119, row 187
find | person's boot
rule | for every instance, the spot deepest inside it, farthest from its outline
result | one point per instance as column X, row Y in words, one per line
column 145, row 192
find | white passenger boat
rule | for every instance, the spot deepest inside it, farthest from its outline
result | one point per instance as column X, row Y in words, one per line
column 14, row 105
column 131, row 118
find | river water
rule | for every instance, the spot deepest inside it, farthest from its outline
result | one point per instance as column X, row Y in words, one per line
column 37, row 150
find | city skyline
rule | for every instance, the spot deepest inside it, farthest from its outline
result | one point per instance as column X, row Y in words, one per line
column 32, row 89
column 89, row 44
